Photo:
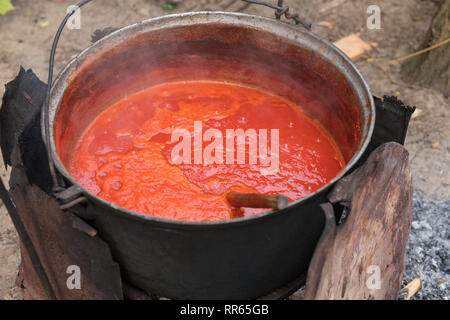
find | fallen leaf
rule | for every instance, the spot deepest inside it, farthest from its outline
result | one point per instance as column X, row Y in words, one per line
column 44, row 24
column 5, row 6
column 353, row 46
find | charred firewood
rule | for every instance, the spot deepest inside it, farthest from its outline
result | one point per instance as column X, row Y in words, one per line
column 22, row 102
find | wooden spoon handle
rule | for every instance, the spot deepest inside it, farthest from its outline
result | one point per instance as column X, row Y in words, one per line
column 254, row 200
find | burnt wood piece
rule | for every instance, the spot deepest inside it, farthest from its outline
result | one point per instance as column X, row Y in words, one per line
column 21, row 141
column 34, row 157
column 391, row 124
column 21, row 103
column 61, row 240
column 372, row 240
column 254, row 200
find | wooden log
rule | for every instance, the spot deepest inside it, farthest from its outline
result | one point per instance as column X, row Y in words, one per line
column 364, row 257
column 62, row 240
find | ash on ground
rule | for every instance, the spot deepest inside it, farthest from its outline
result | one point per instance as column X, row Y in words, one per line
column 427, row 257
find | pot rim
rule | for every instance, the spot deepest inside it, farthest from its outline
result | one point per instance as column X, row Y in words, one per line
column 282, row 29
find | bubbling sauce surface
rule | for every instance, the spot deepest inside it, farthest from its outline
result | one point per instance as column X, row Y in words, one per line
column 125, row 154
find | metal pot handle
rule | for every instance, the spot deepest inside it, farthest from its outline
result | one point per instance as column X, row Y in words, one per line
column 281, row 10
column 56, row 186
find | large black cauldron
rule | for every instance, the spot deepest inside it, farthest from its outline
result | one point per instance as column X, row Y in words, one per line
column 243, row 258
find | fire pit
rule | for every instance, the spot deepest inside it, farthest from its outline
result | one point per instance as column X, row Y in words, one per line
column 243, row 258
column 211, row 260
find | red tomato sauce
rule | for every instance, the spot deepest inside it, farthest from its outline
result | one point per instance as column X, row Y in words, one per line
column 124, row 155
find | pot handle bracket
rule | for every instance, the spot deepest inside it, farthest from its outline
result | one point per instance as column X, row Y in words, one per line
column 281, row 10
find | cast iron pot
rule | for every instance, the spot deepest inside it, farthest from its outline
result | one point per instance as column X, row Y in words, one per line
column 243, row 258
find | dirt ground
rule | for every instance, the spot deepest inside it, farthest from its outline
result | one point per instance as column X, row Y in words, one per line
column 27, row 32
